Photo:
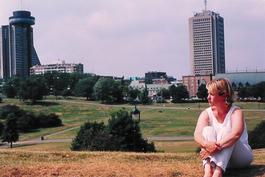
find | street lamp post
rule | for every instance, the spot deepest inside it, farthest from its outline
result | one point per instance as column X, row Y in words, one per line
column 135, row 114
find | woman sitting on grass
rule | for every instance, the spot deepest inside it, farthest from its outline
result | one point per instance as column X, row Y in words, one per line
column 221, row 132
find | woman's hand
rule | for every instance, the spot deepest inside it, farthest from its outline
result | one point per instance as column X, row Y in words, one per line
column 204, row 154
column 211, row 147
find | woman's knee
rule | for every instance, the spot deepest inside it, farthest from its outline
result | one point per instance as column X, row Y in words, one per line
column 209, row 133
column 223, row 133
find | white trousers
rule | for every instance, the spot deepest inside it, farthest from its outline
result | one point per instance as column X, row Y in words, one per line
column 238, row 155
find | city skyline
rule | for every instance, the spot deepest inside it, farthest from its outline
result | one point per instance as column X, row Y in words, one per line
column 121, row 37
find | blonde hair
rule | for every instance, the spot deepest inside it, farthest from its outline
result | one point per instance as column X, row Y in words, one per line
column 221, row 87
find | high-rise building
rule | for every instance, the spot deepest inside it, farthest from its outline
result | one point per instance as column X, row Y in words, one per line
column 207, row 48
column 4, row 52
column 17, row 50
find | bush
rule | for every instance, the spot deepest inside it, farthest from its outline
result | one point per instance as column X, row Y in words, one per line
column 257, row 136
column 51, row 120
column 121, row 134
column 27, row 121
column 87, row 136
column 7, row 109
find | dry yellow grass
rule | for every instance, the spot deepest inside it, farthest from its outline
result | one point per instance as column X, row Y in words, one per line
column 111, row 164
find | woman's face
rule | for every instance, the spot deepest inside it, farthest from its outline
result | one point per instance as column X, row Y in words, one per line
column 215, row 99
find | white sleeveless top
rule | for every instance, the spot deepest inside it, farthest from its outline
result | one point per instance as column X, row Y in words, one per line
column 227, row 123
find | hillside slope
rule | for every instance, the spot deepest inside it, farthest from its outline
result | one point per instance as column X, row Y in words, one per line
column 110, row 164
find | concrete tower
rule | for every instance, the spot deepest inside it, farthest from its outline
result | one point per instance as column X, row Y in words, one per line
column 4, row 52
column 207, row 48
column 22, row 54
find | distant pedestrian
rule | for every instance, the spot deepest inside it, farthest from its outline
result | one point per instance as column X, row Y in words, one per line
column 221, row 132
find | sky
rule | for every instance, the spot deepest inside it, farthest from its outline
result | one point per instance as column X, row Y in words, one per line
column 131, row 37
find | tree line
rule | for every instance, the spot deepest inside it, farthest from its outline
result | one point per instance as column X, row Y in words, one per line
column 244, row 92
column 106, row 89
column 92, row 87
column 247, row 91
column 14, row 120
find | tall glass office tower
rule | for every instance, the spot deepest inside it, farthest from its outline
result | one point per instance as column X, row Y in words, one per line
column 18, row 52
column 207, row 48
column 4, row 52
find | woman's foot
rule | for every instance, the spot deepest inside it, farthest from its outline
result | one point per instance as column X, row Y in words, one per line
column 208, row 170
column 218, row 172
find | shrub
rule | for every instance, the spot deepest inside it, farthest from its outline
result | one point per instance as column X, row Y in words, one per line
column 121, row 134
column 127, row 132
column 257, row 136
column 7, row 109
column 87, row 135
column 51, row 120
column 27, row 122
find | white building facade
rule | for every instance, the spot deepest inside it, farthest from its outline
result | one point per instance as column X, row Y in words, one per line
column 61, row 68
column 207, row 48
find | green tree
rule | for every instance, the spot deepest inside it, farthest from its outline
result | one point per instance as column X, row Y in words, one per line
column 10, row 133
column 144, row 99
column 11, row 87
column 58, row 83
column 74, row 79
column 61, row 83
column 259, row 90
column 32, row 89
column 202, row 92
column 49, row 81
column 165, row 93
column 87, row 136
column 240, row 85
column 234, row 86
column 244, row 92
column 27, row 122
column 132, row 94
column 178, row 93
column 127, row 132
column 49, row 120
column 8, row 109
column 108, row 91
column 257, row 136
column 66, row 92
column 118, row 91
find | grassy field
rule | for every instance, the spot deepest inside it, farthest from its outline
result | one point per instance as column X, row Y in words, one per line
column 156, row 120
column 178, row 157
column 113, row 164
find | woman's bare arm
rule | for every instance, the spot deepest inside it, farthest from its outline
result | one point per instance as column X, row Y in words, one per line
column 237, row 122
column 202, row 122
